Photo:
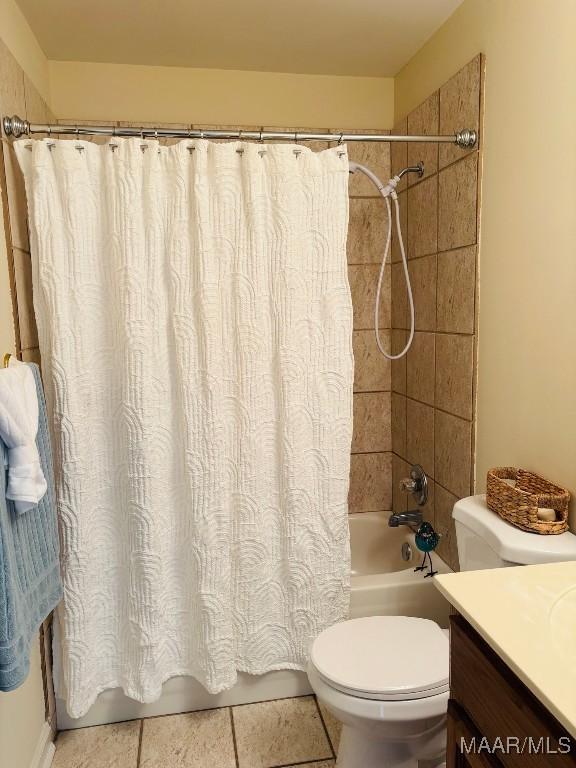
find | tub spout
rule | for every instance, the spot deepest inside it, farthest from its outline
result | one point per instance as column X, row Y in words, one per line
column 413, row 518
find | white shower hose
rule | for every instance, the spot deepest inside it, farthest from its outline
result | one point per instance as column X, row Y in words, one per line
column 389, row 191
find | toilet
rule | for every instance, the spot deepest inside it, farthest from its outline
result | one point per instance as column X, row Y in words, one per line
column 385, row 678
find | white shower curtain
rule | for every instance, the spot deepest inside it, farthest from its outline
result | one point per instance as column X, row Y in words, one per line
column 195, row 327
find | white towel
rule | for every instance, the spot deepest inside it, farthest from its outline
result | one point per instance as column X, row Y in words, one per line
column 18, row 428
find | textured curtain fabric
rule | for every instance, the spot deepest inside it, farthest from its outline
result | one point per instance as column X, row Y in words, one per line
column 195, row 327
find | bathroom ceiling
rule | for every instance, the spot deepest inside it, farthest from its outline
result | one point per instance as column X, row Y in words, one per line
column 334, row 37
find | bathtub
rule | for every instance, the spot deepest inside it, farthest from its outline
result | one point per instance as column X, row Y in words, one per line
column 382, row 583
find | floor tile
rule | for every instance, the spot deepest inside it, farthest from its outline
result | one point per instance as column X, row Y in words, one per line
column 193, row 740
column 103, row 746
column 279, row 732
column 333, row 726
column 319, row 764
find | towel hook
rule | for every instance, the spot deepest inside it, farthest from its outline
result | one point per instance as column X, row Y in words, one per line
column 6, row 361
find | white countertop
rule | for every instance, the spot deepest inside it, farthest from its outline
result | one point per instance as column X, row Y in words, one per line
column 527, row 615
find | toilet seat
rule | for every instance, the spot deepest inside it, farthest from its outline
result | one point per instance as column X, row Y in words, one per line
column 386, row 658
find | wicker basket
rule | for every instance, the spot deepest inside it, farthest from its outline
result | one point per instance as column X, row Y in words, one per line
column 519, row 504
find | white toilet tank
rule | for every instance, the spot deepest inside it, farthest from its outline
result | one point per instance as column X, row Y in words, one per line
column 485, row 540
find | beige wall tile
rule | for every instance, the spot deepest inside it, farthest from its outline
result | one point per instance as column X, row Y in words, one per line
column 26, row 317
column 423, row 281
column 372, row 430
column 372, row 371
column 424, row 120
column 428, row 510
column 16, row 196
column 375, row 155
column 36, row 109
column 31, row 356
column 279, row 732
column 444, row 524
column 399, row 153
column 399, row 338
column 420, row 435
column 400, row 470
column 363, row 283
column 370, row 482
column 395, row 247
column 12, row 100
column 420, row 365
column 423, row 218
column 460, row 107
column 399, row 297
column 452, row 456
column 193, row 740
column 398, row 420
column 456, row 290
column 457, row 195
column 104, row 746
column 367, row 230
column 454, row 374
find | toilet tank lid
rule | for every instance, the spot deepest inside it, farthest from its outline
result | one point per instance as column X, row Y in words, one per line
column 510, row 543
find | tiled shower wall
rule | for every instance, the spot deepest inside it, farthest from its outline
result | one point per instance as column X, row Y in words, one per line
column 19, row 96
column 371, row 461
column 433, row 387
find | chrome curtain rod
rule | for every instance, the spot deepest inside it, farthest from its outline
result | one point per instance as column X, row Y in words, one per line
column 15, row 126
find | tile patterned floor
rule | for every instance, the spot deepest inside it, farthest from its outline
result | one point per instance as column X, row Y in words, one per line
column 271, row 734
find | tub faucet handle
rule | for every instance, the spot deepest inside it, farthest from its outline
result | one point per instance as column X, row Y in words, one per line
column 408, row 485
column 416, row 484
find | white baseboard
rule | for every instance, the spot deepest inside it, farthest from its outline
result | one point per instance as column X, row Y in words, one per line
column 44, row 752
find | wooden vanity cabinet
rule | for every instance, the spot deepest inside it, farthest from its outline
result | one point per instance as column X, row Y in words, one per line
column 494, row 720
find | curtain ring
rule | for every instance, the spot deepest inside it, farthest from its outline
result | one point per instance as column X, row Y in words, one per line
column 341, row 139
column 142, row 133
column 156, row 134
column 260, row 137
column 201, row 134
column 49, row 136
column 77, row 134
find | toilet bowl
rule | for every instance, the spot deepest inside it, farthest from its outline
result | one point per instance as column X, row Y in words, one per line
column 385, row 678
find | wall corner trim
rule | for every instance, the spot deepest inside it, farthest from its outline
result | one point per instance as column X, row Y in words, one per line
column 45, row 749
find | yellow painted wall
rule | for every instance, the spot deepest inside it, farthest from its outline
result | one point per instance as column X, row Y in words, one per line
column 86, row 91
column 20, row 39
column 527, row 318
column 22, row 718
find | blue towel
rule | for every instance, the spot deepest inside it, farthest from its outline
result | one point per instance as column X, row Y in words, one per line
column 30, row 584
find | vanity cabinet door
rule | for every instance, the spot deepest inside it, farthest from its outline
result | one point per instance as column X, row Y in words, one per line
column 461, row 733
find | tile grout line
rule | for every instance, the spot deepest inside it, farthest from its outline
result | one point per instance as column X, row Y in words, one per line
column 234, row 737
column 325, row 728
column 305, row 762
column 139, row 755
